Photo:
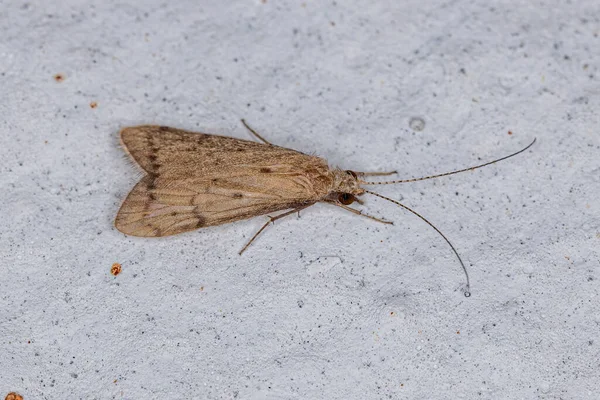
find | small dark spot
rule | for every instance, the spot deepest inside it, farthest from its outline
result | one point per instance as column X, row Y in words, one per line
column 174, row 214
column 151, row 185
column 265, row 170
column 163, row 128
column 214, row 180
column 237, row 195
column 59, row 77
column 200, row 222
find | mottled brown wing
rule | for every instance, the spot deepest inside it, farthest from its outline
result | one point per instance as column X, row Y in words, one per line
column 196, row 180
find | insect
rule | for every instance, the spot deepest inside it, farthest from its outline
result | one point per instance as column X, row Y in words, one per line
column 195, row 180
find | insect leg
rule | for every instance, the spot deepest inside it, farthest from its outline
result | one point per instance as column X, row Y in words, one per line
column 272, row 219
column 255, row 133
column 358, row 212
column 376, row 173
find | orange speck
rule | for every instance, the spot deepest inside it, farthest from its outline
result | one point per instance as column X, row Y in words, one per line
column 458, row 332
column 93, row 104
column 392, row 313
column 202, row 288
column 115, row 269
column 510, row 132
column 13, row 396
column 59, row 77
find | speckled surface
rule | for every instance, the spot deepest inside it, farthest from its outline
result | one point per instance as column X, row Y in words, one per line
column 328, row 305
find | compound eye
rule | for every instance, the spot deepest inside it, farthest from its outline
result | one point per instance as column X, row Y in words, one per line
column 352, row 173
column 346, row 198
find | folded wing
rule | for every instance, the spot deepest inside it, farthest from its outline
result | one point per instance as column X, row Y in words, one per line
column 196, row 180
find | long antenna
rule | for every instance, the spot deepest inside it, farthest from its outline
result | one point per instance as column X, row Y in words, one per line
column 468, row 291
column 447, row 173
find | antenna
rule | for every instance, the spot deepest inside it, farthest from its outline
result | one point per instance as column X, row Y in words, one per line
column 468, row 291
column 447, row 173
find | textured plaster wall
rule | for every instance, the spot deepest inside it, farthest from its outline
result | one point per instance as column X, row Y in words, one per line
column 328, row 305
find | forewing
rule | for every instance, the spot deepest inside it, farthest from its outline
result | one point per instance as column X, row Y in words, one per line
column 196, row 180
column 175, row 152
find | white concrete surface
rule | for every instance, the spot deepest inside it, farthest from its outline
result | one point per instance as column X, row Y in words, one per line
column 328, row 305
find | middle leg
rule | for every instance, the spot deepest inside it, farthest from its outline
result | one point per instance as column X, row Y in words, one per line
column 272, row 219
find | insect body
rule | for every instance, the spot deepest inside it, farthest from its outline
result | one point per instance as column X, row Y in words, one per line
column 195, row 180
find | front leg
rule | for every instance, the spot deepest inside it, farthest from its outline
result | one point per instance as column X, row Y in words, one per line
column 376, row 173
column 358, row 212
